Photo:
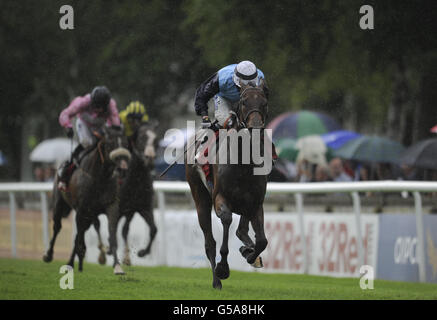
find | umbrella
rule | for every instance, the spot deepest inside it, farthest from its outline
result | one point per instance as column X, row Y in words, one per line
column 336, row 139
column 313, row 149
column 302, row 123
column 286, row 149
column 371, row 149
column 52, row 150
column 422, row 154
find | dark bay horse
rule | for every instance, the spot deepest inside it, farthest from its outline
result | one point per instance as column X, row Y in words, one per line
column 136, row 194
column 235, row 190
column 93, row 189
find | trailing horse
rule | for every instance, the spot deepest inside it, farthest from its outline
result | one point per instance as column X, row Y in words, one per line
column 137, row 189
column 93, row 189
column 236, row 189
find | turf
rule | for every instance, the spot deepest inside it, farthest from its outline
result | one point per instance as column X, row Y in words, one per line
column 29, row 279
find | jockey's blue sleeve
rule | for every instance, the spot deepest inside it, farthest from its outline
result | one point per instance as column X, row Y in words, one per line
column 208, row 89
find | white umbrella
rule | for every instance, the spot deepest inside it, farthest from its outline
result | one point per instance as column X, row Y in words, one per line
column 53, row 150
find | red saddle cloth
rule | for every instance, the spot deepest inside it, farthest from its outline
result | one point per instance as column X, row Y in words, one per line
column 207, row 168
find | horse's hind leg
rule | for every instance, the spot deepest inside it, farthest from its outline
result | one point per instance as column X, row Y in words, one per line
column 61, row 209
column 124, row 233
column 102, row 255
column 225, row 215
column 260, row 237
column 148, row 216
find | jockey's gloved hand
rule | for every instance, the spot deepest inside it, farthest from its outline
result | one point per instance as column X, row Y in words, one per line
column 70, row 132
column 206, row 122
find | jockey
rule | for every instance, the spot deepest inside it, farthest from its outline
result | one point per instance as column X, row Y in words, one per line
column 132, row 118
column 225, row 87
column 93, row 111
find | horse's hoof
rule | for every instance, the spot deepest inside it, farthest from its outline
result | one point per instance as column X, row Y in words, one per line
column 47, row 258
column 118, row 270
column 126, row 261
column 246, row 251
column 251, row 258
column 222, row 271
column 258, row 263
column 102, row 258
column 143, row 253
column 217, row 284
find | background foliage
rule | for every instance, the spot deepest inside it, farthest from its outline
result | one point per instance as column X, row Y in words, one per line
column 313, row 53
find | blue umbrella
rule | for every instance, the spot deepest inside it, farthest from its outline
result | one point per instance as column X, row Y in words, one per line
column 336, row 139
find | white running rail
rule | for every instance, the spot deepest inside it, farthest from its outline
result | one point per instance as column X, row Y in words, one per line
column 298, row 189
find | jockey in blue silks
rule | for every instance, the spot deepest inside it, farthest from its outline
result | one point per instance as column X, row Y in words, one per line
column 224, row 86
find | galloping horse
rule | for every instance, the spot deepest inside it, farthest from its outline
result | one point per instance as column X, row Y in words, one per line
column 137, row 189
column 93, row 189
column 235, row 190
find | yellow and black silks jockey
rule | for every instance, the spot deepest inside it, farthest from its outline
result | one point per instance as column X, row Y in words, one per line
column 132, row 117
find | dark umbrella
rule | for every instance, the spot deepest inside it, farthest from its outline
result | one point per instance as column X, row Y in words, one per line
column 371, row 149
column 303, row 123
column 422, row 154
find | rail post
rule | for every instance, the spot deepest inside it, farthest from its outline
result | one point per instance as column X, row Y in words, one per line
column 357, row 212
column 163, row 244
column 45, row 219
column 420, row 236
column 13, row 211
column 299, row 207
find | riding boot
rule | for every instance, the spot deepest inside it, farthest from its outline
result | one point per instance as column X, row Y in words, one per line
column 275, row 156
column 76, row 154
column 68, row 169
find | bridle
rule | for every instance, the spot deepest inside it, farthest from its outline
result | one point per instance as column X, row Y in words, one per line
column 243, row 123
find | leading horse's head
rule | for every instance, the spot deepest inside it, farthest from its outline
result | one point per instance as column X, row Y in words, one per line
column 115, row 149
column 252, row 107
column 145, row 143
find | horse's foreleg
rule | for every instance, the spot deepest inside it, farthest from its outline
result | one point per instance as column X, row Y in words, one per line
column 73, row 253
column 124, row 233
column 148, row 217
column 225, row 215
column 81, row 247
column 102, row 255
column 113, row 217
column 260, row 237
column 243, row 234
column 203, row 206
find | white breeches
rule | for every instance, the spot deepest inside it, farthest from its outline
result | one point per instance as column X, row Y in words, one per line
column 222, row 108
column 86, row 138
